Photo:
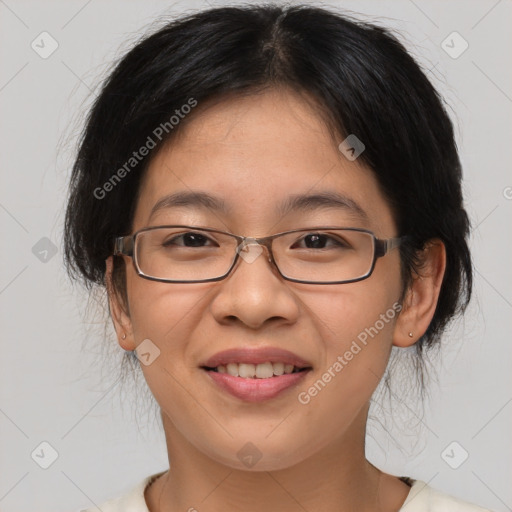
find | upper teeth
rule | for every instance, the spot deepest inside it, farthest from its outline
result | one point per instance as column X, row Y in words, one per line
column 260, row 371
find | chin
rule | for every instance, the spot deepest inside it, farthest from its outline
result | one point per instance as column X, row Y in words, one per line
column 258, row 455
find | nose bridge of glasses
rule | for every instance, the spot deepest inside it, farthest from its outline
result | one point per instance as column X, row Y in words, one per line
column 250, row 248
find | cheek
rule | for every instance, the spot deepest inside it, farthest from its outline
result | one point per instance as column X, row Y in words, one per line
column 357, row 330
column 357, row 311
column 163, row 316
column 356, row 322
column 158, row 310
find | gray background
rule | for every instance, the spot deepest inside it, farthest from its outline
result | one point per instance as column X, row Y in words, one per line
column 58, row 378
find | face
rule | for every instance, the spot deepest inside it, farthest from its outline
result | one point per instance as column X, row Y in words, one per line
column 254, row 153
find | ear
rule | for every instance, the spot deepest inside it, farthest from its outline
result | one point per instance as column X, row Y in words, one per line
column 118, row 310
column 422, row 295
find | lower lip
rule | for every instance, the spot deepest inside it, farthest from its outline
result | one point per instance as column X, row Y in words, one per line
column 256, row 390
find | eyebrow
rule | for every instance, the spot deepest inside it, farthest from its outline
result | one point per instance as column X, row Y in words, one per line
column 321, row 200
column 294, row 203
column 190, row 199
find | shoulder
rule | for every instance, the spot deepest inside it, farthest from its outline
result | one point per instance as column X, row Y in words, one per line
column 423, row 498
column 132, row 501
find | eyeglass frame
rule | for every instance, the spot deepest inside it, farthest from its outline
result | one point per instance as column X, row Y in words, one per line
column 380, row 248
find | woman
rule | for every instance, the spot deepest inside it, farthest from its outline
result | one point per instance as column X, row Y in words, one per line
column 272, row 198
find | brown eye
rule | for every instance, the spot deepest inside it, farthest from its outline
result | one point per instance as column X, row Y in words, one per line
column 320, row 241
column 188, row 240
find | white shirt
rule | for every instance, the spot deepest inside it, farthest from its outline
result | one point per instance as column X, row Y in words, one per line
column 421, row 498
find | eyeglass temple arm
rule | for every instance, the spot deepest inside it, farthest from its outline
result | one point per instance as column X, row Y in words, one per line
column 384, row 246
column 123, row 245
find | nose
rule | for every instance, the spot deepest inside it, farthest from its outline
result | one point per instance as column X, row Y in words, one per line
column 250, row 249
column 254, row 293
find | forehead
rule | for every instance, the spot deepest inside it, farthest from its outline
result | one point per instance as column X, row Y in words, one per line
column 257, row 154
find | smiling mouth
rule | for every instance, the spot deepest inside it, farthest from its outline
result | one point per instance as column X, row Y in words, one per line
column 257, row 371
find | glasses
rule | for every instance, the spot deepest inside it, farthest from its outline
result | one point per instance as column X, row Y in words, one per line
column 188, row 254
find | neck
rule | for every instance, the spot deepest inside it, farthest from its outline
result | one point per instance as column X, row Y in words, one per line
column 338, row 478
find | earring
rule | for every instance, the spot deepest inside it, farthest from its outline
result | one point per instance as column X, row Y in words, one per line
column 410, row 335
column 123, row 336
